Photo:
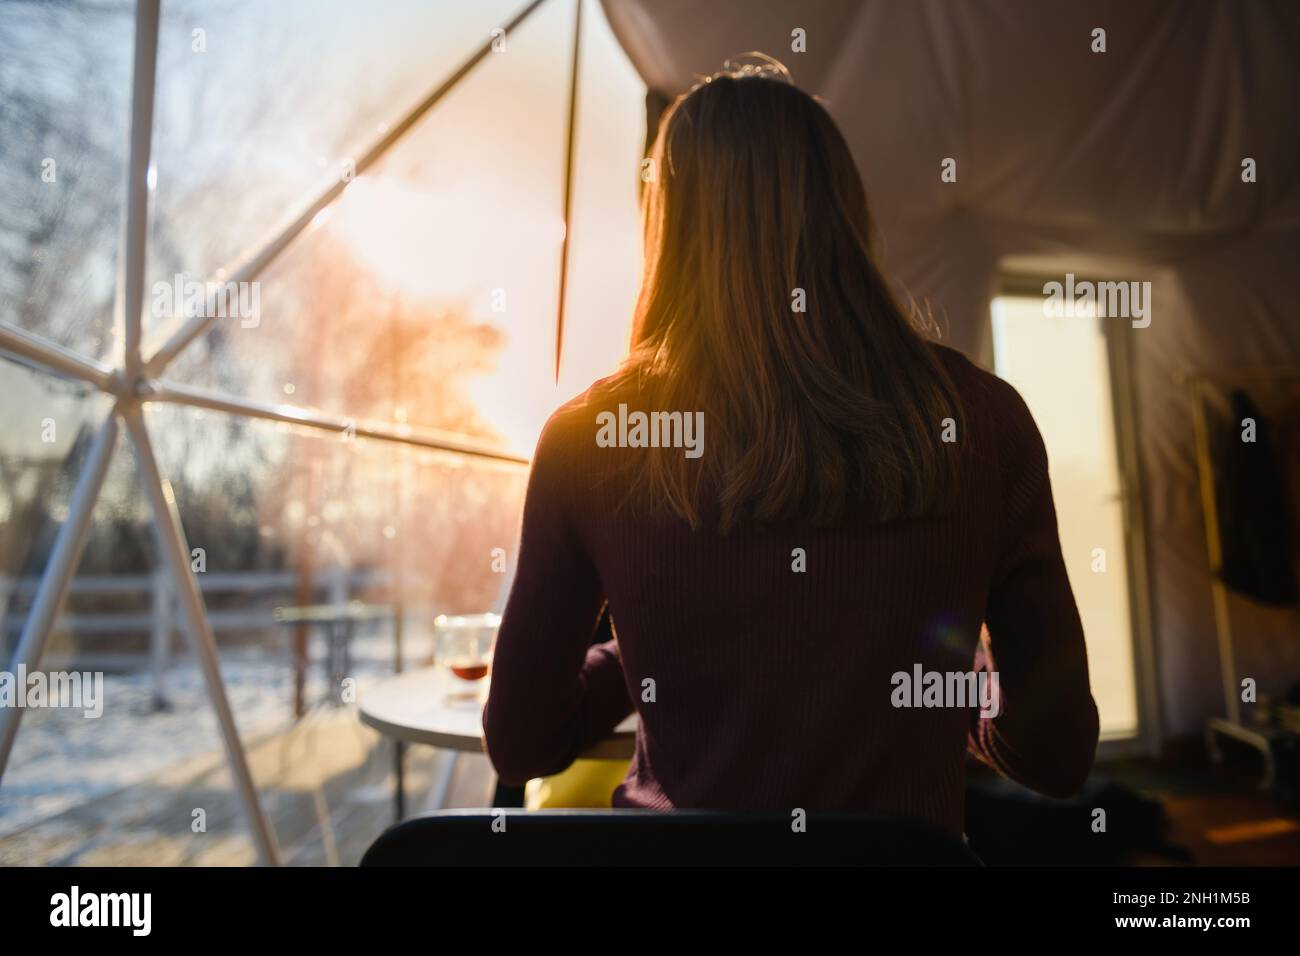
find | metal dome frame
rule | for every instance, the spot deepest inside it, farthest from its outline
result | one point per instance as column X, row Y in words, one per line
column 137, row 381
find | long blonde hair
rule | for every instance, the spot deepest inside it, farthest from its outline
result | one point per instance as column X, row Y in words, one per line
column 755, row 209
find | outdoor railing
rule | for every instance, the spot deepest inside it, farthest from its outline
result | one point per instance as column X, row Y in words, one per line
column 161, row 621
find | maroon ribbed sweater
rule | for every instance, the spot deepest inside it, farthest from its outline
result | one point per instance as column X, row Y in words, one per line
column 772, row 688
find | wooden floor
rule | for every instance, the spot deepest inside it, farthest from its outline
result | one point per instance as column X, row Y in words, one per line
column 1246, row 829
column 1219, row 816
column 326, row 783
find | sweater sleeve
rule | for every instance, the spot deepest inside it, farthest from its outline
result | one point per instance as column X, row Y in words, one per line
column 553, row 694
column 1044, row 733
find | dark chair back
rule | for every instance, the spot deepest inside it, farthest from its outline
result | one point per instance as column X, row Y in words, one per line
column 654, row 838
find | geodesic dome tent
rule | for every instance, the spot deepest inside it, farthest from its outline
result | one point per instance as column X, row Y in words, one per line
column 356, row 251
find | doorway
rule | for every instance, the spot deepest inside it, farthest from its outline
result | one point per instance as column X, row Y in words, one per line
column 1073, row 374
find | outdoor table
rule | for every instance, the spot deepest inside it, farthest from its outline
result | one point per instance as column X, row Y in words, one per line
column 413, row 708
column 338, row 623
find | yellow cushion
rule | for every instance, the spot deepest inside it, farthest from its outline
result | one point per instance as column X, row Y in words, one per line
column 588, row 784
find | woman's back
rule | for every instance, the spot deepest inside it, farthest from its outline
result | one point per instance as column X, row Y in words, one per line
column 789, row 665
column 799, row 510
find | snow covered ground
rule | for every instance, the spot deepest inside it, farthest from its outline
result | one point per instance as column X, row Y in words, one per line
column 62, row 759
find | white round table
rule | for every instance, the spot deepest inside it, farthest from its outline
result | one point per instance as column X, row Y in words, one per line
column 414, row 708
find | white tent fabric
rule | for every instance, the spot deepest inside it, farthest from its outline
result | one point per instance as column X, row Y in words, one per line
column 1127, row 162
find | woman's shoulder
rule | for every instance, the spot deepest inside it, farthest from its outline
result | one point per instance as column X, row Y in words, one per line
column 571, row 429
column 995, row 414
column 982, row 392
column 965, row 374
column 578, row 413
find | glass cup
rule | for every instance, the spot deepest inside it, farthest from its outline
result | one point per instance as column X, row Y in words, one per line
column 462, row 649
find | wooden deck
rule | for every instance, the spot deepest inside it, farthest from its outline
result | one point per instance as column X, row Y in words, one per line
column 326, row 783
